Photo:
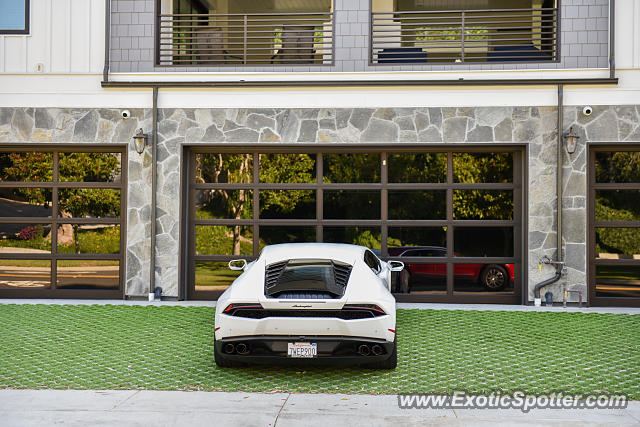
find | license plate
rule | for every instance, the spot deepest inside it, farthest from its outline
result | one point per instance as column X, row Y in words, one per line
column 302, row 349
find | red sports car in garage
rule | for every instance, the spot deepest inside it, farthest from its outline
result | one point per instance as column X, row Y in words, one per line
column 493, row 277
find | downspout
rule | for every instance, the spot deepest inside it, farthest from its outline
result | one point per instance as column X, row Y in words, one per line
column 559, row 162
column 536, row 291
column 612, row 38
column 107, row 37
column 558, row 263
column 154, row 167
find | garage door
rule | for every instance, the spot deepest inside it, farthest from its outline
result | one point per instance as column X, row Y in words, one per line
column 614, row 231
column 61, row 228
column 454, row 217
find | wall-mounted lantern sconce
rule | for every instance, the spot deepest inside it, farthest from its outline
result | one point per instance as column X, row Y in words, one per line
column 571, row 139
column 140, row 140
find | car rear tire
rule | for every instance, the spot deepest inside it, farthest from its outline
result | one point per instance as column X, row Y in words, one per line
column 494, row 277
column 389, row 363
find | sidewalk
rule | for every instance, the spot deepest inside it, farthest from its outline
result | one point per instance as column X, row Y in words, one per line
column 400, row 305
column 170, row 408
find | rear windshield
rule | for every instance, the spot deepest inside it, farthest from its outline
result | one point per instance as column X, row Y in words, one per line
column 305, row 274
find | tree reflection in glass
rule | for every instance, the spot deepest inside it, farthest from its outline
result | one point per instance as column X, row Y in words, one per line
column 230, row 168
column 351, row 168
column 226, row 169
column 417, row 167
column 621, row 166
column 482, row 167
column 287, row 168
column 483, row 204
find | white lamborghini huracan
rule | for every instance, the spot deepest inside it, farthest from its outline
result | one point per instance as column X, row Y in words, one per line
column 309, row 301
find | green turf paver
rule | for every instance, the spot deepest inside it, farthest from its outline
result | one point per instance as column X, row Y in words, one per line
column 440, row 351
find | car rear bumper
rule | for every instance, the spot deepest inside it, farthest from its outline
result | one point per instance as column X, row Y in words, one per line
column 273, row 348
column 381, row 327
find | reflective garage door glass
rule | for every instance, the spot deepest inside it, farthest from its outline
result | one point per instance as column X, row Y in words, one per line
column 474, row 199
column 452, row 217
column 61, row 232
column 614, row 268
column 25, row 274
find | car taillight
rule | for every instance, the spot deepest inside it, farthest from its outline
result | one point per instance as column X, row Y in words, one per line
column 375, row 310
column 232, row 308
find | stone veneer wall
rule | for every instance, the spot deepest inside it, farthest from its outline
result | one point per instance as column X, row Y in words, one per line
column 535, row 126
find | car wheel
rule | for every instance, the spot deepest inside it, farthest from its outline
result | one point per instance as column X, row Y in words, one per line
column 494, row 277
column 405, row 277
column 389, row 363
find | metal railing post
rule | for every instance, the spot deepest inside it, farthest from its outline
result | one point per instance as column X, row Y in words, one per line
column 462, row 37
column 370, row 41
column 333, row 37
column 244, row 56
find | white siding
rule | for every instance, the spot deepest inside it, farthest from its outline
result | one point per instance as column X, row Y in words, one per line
column 636, row 35
column 66, row 36
column 627, row 16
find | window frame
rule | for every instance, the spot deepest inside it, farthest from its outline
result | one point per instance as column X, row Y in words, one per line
column 26, row 29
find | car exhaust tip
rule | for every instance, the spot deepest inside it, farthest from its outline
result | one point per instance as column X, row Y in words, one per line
column 377, row 350
column 229, row 348
column 242, row 349
column 364, row 350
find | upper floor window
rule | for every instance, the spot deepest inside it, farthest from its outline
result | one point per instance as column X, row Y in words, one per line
column 464, row 31
column 14, row 16
column 244, row 32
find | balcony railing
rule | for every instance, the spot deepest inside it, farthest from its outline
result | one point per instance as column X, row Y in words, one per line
column 462, row 36
column 244, row 39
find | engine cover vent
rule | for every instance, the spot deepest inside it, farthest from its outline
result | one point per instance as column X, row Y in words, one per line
column 318, row 278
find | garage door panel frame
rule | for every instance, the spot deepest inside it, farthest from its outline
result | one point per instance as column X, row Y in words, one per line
column 592, row 224
column 55, row 220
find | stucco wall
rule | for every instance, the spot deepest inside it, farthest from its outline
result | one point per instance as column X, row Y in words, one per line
column 534, row 126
